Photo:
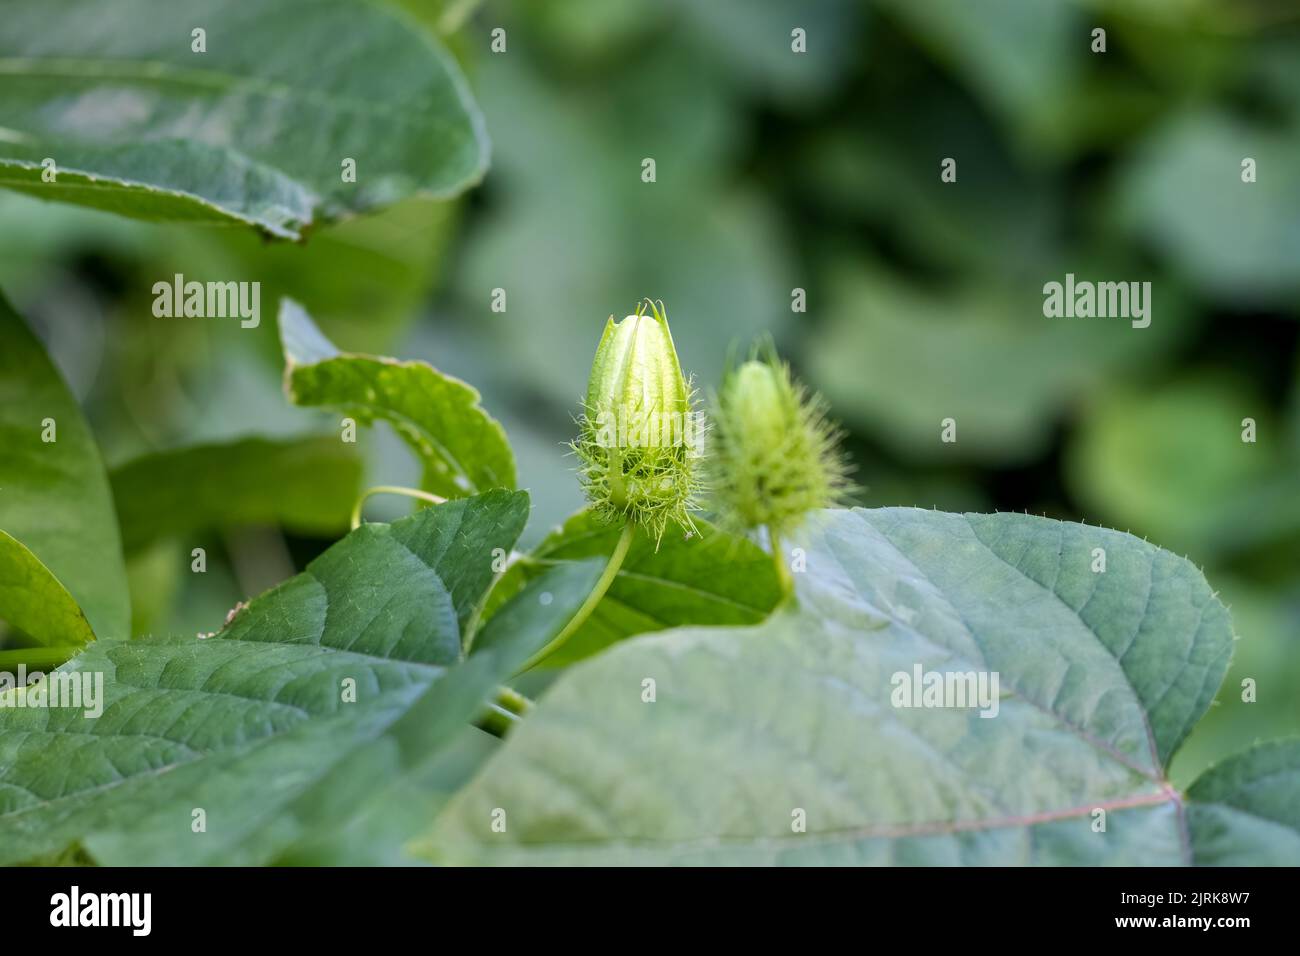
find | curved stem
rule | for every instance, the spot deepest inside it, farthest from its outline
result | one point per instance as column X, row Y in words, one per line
column 510, row 699
column 391, row 490
column 496, row 720
column 782, row 569
column 597, row 592
column 502, row 713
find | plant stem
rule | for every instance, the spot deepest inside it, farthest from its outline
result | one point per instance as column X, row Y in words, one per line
column 38, row 656
column 496, row 720
column 511, row 700
column 597, row 592
column 392, row 490
column 778, row 558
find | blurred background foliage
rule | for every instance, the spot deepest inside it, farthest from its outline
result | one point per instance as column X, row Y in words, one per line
column 778, row 171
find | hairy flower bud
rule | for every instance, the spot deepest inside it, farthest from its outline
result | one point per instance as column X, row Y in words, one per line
column 640, row 436
column 774, row 452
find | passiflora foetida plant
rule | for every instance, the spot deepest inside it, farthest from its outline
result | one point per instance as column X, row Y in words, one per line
column 727, row 654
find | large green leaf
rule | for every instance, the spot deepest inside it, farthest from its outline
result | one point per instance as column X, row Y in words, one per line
column 712, row 578
column 250, row 724
column 1101, row 677
column 462, row 448
column 309, row 485
column 62, row 580
column 1246, row 810
column 253, row 130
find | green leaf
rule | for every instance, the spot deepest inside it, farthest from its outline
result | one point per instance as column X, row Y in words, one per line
column 715, row 578
column 308, row 485
column 1246, row 810
column 545, row 598
column 752, row 40
column 368, row 274
column 1263, row 617
column 34, row 601
column 252, row 130
column 885, row 338
column 399, row 786
column 341, row 791
column 462, row 448
column 1101, row 676
column 1169, row 463
column 62, row 579
column 1183, row 191
column 251, row 725
column 376, row 832
column 1027, row 90
column 882, row 174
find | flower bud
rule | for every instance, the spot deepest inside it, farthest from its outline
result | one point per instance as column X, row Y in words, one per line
column 636, row 364
column 640, row 436
column 774, row 452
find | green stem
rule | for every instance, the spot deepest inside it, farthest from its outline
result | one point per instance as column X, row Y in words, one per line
column 391, row 490
column 778, row 558
column 38, row 657
column 510, row 699
column 496, row 720
column 602, row 585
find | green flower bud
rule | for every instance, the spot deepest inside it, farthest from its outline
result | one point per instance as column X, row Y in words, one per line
column 775, row 454
column 640, row 437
